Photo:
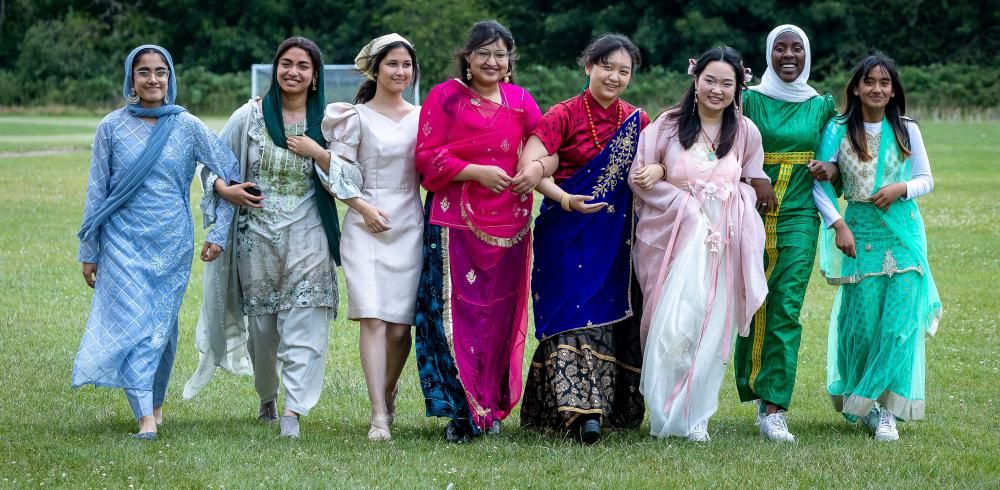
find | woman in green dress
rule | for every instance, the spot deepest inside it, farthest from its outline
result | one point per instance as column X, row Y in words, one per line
column 790, row 116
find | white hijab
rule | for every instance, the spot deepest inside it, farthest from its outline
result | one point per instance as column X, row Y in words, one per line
column 776, row 88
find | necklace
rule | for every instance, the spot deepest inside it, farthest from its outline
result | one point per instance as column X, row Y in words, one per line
column 712, row 143
column 590, row 119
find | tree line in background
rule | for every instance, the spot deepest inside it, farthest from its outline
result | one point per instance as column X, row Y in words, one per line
column 70, row 52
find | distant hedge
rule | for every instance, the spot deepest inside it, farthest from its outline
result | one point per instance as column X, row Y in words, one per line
column 939, row 91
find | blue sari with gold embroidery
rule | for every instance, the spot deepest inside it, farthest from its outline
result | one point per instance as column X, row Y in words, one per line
column 582, row 275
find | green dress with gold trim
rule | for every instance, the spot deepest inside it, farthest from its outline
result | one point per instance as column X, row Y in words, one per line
column 766, row 360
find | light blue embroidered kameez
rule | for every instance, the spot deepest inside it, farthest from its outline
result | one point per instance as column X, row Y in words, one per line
column 143, row 254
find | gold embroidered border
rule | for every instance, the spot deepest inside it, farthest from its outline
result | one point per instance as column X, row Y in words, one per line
column 490, row 239
column 619, row 162
column 593, row 352
column 446, row 319
column 771, row 248
column 836, row 281
column 790, row 158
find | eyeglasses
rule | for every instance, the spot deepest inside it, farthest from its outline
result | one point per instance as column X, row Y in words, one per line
column 484, row 54
column 145, row 73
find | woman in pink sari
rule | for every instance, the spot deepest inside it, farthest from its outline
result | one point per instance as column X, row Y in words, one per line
column 698, row 244
column 472, row 301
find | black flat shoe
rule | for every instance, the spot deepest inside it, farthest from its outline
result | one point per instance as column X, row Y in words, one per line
column 268, row 411
column 590, row 431
column 455, row 433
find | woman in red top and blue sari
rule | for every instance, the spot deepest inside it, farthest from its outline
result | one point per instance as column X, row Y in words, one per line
column 586, row 369
column 472, row 301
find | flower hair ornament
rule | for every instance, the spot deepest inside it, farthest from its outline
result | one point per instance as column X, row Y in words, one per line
column 747, row 75
column 691, row 64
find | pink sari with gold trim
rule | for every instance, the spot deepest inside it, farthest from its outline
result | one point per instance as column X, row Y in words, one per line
column 483, row 242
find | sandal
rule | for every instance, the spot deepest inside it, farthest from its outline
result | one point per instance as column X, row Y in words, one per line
column 379, row 430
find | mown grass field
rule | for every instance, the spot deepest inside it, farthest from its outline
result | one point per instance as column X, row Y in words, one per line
column 53, row 435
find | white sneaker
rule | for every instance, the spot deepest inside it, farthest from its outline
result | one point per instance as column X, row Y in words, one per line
column 699, row 433
column 886, row 430
column 775, row 428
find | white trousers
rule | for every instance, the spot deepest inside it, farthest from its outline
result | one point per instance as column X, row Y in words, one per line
column 294, row 343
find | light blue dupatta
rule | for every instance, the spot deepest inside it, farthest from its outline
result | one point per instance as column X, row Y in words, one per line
column 134, row 176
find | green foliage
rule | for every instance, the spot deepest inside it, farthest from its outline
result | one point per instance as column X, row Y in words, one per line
column 207, row 92
column 441, row 29
column 49, row 47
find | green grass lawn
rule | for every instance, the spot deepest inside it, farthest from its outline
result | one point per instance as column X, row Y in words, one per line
column 53, row 435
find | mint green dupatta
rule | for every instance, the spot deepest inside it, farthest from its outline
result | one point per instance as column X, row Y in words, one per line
column 903, row 219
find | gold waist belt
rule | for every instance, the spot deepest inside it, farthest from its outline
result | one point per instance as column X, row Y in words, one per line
column 792, row 157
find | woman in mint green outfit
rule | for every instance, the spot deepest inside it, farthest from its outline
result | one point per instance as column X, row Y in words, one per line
column 877, row 253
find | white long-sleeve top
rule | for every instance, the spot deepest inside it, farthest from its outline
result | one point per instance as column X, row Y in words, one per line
column 921, row 181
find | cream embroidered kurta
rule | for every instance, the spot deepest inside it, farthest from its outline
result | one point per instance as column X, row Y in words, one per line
column 382, row 269
column 282, row 252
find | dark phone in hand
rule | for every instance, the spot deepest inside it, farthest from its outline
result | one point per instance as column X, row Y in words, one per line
column 252, row 190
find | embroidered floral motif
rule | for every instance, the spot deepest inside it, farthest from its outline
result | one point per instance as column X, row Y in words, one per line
column 471, row 276
column 889, row 263
column 445, row 204
column 868, row 248
column 475, row 101
column 504, row 145
column 611, row 209
column 427, row 128
column 619, row 161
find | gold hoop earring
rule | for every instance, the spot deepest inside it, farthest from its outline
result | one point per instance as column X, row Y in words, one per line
column 132, row 98
column 468, row 74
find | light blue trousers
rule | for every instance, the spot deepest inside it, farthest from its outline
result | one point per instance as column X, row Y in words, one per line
column 143, row 401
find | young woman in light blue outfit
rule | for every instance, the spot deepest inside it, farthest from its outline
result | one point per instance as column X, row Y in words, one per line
column 136, row 239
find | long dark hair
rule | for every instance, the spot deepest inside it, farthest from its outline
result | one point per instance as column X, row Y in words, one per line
column 600, row 49
column 894, row 111
column 306, row 45
column 367, row 89
column 685, row 111
column 482, row 33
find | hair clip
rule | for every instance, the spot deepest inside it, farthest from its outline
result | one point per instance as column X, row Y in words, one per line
column 691, row 64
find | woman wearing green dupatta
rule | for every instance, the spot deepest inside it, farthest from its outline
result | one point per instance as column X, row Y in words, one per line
column 877, row 253
column 282, row 280
column 790, row 115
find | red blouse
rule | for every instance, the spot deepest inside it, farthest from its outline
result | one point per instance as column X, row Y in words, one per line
column 565, row 129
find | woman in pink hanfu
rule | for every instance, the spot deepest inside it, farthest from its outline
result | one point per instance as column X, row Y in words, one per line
column 698, row 244
column 472, row 301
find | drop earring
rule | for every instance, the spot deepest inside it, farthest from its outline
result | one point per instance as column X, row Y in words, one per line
column 314, row 84
column 132, row 98
column 694, row 107
column 468, row 74
column 506, row 78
